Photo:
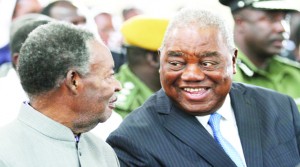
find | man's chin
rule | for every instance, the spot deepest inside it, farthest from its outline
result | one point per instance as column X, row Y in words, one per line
column 274, row 51
column 106, row 115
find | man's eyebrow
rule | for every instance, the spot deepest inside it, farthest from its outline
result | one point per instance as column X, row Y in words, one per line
column 209, row 54
column 205, row 54
column 174, row 53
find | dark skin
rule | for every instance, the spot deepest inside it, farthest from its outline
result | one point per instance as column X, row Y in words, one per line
column 197, row 68
column 65, row 11
column 260, row 37
column 26, row 6
column 130, row 13
column 148, row 71
column 297, row 53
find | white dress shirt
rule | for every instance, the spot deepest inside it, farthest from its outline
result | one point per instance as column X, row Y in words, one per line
column 228, row 126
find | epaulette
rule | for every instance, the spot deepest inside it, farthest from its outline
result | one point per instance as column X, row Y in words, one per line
column 288, row 61
column 244, row 68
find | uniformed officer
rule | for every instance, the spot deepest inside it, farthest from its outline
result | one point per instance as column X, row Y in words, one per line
column 260, row 28
column 139, row 76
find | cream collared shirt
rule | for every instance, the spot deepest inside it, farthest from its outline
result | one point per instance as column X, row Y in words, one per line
column 228, row 126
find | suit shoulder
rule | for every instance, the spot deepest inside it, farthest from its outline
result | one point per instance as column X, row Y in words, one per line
column 256, row 89
column 262, row 98
column 144, row 115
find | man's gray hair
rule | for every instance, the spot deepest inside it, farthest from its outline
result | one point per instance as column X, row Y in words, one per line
column 203, row 19
column 49, row 52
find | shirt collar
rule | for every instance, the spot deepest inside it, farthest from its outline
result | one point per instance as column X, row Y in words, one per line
column 43, row 124
column 225, row 110
column 243, row 59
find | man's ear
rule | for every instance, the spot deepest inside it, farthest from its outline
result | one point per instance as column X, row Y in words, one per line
column 158, row 57
column 153, row 59
column 15, row 60
column 73, row 81
column 234, row 59
column 239, row 23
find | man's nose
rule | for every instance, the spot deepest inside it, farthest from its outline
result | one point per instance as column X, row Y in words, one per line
column 193, row 72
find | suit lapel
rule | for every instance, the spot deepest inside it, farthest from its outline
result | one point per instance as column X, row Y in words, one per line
column 187, row 129
column 248, row 121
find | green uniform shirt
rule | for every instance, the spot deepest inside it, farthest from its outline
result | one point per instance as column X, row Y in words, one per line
column 282, row 75
column 133, row 94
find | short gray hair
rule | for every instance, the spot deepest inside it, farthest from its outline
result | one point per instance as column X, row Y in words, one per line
column 49, row 52
column 21, row 27
column 203, row 19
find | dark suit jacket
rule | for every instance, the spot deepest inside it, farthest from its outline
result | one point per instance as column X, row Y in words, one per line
column 159, row 134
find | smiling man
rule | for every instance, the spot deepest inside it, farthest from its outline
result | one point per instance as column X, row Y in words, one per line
column 69, row 78
column 200, row 117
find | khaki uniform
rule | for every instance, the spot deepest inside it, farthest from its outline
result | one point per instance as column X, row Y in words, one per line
column 282, row 75
column 133, row 94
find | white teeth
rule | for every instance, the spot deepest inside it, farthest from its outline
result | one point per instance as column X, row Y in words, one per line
column 193, row 89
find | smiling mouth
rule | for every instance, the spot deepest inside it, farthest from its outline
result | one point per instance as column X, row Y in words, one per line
column 196, row 94
column 194, row 90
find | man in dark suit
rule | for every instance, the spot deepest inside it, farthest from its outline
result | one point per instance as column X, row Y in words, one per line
column 199, row 117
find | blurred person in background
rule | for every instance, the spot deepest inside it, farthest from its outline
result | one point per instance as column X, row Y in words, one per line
column 64, row 11
column 139, row 75
column 296, row 51
column 259, row 30
column 291, row 46
column 104, row 22
column 110, row 36
column 10, row 10
column 12, row 94
column 75, row 12
column 131, row 11
column 26, row 6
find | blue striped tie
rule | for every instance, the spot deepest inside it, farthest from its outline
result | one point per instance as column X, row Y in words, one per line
column 214, row 122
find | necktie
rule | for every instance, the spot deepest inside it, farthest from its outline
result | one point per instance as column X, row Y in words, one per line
column 214, row 122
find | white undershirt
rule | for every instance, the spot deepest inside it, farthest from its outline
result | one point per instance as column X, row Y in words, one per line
column 228, row 126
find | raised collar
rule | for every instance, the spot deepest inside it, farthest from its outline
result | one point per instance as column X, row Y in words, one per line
column 44, row 125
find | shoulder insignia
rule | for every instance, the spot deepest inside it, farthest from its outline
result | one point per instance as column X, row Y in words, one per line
column 288, row 61
column 244, row 68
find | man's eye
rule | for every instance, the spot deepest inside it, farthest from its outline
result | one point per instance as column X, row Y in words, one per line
column 111, row 76
column 209, row 65
column 175, row 65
